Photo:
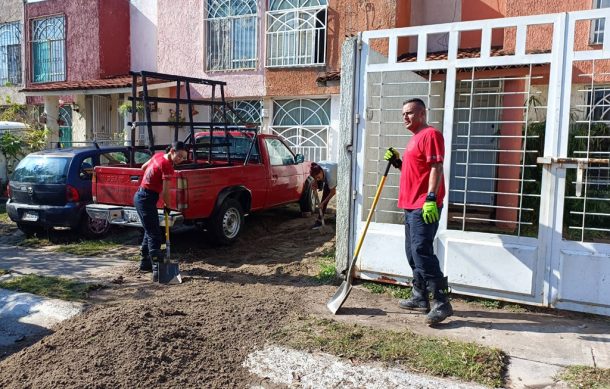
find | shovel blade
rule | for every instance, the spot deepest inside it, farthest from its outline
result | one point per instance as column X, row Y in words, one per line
column 169, row 273
column 339, row 297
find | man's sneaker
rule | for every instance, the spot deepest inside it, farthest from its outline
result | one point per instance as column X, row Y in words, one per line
column 317, row 225
column 145, row 265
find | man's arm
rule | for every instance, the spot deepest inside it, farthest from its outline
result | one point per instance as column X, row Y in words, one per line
column 165, row 193
column 145, row 165
column 436, row 175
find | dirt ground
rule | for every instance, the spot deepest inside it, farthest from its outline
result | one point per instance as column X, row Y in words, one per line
column 136, row 334
column 139, row 334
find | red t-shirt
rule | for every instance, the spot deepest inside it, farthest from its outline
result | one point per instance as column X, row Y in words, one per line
column 425, row 148
column 159, row 169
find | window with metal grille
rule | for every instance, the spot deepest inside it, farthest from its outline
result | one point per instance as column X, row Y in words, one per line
column 231, row 30
column 49, row 49
column 10, row 54
column 304, row 124
column 296, row 32
column 248, row 110
column 597, row 27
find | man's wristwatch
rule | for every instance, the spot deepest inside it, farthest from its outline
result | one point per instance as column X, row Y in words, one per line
column 431, row 196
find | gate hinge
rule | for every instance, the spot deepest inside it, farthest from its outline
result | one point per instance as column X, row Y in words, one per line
column 354, row 195
column 357, row 118
column 359, row 43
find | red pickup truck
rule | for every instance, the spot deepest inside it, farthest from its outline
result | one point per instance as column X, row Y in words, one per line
column 254, row 172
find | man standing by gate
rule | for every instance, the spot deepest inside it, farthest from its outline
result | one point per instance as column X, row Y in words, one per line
column 421, row 194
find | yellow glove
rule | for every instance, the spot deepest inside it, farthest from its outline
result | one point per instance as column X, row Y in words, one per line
column 393, row 156
column 429, row 211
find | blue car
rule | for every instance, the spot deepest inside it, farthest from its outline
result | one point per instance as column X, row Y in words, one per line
column 51, row 188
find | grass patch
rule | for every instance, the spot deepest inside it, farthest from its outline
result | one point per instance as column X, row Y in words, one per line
column 396, row 291
column 586, row 377
column 53, row 287
column 88, row 247
column 421, row 354
column 327, row 273
column 3, row 215
column 34, row 242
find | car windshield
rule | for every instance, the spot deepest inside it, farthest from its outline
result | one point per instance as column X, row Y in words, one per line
column 39, row 169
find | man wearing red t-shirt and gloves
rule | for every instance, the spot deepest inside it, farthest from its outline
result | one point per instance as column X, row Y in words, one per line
column 421, row 194
column 155, row 183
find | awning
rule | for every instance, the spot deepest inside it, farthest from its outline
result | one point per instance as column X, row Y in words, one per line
column 121, row 84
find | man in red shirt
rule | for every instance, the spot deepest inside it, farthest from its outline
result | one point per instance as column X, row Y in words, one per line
column 155, row 184
column 421, row 194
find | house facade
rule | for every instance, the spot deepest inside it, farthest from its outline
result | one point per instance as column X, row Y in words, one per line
column 11, row 52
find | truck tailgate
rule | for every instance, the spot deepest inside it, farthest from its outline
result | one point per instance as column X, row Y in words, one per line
column 116, row 185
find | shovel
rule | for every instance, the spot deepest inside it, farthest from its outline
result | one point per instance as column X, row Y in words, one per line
column 169, row 273
column 346, row 286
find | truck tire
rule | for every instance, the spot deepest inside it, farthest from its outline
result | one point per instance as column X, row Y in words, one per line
column 28, row 230
column 227, row 222
column 93, row 228
column 307, row 203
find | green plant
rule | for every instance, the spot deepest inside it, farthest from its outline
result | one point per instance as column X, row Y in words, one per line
column 11, row 148
column 586, row 377
column 125, row 108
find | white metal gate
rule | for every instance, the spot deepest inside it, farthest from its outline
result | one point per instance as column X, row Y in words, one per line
column 527, row 216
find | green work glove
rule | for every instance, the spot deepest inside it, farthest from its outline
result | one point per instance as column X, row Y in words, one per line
column 429, row 211
column 393, row 157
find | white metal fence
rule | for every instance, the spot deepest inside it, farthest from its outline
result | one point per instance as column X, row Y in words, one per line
column 526, row 165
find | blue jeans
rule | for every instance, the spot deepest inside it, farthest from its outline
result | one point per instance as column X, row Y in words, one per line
column 419, row 238
column 145, row 202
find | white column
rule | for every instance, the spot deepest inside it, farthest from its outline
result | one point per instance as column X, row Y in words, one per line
column 79, row 122
column 51, row 109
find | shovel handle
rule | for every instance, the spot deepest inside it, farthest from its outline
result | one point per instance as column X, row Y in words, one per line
column 167, row 244
column 370, row 216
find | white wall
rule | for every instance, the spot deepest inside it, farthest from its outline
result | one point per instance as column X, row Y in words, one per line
column 143, row 20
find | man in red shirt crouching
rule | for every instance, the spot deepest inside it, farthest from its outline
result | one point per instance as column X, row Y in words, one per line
column 421, row 194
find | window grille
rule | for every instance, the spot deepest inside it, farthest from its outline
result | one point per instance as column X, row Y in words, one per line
column 248, row 110
column 304, row 124
column 586, row 215
column 296, row 33
column 597, row 28
column 49, row 49
column 10, row 54
column 231, row 29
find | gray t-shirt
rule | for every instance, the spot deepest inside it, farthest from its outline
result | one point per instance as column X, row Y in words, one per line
column 330, row 173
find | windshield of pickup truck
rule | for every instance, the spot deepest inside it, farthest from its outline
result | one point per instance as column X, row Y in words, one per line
column 42, row 170
column 239, row 146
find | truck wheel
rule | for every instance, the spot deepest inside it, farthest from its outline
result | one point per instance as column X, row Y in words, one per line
column 227, row 222
column 93, row 228
column 307, row 203
column 28, row 230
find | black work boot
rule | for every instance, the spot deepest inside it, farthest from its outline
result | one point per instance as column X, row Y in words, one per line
column 419, row 298
column 441, row 307
column 156, row 259
column 145, row 261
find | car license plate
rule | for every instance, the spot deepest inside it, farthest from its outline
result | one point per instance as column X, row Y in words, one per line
column 132, row 216
column 30, row 216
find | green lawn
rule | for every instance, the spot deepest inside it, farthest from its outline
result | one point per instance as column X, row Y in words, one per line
column 53, row 287
column 417, row 353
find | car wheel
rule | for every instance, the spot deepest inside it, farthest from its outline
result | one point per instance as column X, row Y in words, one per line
column 28, row 230
column 227, row 222
column 93, row 228
column 307, row 203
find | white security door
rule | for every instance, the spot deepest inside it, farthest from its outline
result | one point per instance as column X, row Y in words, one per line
column 520, row 221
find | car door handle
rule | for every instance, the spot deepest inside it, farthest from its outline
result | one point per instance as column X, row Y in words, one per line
column 134, row 178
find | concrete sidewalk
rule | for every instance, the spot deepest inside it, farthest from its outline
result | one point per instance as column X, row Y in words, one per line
column 24, row 317
column 21, row 260
column 540, row 344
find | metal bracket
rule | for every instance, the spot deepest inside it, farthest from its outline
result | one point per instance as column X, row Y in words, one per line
column 580, row 164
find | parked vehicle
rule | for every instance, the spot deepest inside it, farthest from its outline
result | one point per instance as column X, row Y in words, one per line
column 262, row 173
column 51, row 188
column 231, row 170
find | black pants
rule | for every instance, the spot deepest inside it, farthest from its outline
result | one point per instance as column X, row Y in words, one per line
column 419, row 239
column 145, row 202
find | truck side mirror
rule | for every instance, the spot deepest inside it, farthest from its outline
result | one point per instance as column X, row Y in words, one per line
column 299, row 158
